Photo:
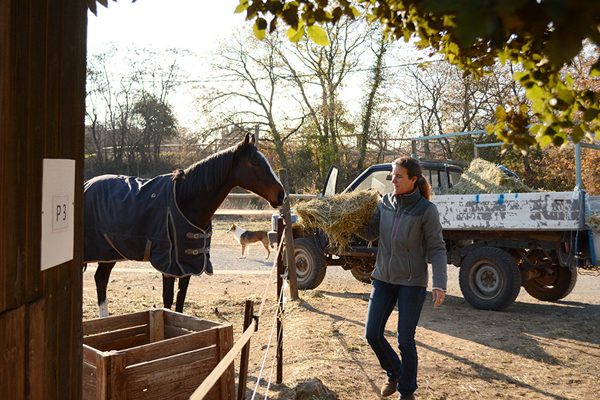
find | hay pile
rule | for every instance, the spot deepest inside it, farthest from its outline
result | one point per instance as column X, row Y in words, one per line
column 593, row 221
column 484, row 177
column 339, row 216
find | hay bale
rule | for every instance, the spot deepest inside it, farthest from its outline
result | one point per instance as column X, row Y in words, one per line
column 484, row 177
column 339, row 216
column 593, row 221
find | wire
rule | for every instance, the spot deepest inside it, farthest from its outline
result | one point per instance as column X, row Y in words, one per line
column 276, row 316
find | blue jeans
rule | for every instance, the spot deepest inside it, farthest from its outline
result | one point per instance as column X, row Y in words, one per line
column 410, row 299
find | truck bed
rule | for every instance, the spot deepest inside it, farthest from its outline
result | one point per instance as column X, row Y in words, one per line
column 513, row 211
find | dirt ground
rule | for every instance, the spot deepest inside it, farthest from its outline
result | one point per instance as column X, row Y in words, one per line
column 531, row 350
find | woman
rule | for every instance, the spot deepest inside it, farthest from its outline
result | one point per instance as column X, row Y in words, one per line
column 408, row 227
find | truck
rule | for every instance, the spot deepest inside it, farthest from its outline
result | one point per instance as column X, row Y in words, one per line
column 499, row 242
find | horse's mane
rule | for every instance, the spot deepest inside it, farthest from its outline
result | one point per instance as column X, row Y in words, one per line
column 206, row 173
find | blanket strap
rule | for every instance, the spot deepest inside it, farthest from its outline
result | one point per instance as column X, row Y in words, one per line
column 195, row 252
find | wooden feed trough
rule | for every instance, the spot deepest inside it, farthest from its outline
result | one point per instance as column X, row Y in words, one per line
column 157, row 354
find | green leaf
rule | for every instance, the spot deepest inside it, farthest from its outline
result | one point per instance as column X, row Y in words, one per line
column 295, row 35
column 244, row 4
column 318, row 35
column 595, row 71
column 355, row 12
column 260, row 28
column 577, row 133
column 590, row 114
column 544, row 140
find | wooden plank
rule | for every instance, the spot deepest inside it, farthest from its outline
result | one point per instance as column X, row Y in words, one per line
column 99, row 325
column 7, row 154
column 102, row 378
column 223, row 365
column 171, row 347
column 157, row 325
column 89, row 381
column 126, row 342
column 89, row 354
column 156, row 366
column 70, row 133
column 12, row 350
column 173, row 332
column 112, row 336
column 227, row 381
column 172, row 378
column 118, row 378
column 245, row 357
column 179, row 320
column 35, row 128
column 37, row 339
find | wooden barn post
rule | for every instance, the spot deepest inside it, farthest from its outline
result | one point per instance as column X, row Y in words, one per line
column 42, row 110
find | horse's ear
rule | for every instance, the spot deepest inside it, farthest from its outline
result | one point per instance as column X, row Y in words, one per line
column 253, row 139
column 247, row 139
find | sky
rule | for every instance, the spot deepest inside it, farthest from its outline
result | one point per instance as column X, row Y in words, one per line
column 194, row 25
column 190, row 24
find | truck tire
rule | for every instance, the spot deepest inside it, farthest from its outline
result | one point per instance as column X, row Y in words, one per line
column 362, row 272
column 489, row 278
column 552, row 285
column 310, row 263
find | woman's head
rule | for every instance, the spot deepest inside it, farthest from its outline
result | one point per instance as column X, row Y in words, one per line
column 407, row 174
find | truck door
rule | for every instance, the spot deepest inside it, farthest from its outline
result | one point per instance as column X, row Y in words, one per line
column 330, row 182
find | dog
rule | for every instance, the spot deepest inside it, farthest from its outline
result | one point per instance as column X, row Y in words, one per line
column 246, row 238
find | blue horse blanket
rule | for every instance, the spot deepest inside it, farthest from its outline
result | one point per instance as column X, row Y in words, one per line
column 130, row 218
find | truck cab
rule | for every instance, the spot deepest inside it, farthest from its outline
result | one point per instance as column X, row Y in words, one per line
column 312, row 249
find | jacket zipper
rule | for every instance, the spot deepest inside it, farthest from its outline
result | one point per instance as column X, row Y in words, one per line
column 407, row 253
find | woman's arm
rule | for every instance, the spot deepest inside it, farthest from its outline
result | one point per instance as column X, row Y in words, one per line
column 371, row 231
column 436, row 246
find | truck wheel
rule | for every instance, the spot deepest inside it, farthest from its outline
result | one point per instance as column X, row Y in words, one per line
column 489, row 278
column 362, row 272
column 310, row 263
column 553, row 284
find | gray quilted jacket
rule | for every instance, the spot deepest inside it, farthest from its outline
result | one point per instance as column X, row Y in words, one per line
column 410, row 235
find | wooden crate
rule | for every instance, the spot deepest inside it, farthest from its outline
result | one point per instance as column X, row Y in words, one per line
column 156, row 354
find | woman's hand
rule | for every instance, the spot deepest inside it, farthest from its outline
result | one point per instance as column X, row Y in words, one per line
column 438, row 296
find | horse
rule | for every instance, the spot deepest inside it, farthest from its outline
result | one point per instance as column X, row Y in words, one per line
column 167, row 220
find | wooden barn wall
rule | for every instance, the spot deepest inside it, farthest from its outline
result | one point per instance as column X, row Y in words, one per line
column 42, row 106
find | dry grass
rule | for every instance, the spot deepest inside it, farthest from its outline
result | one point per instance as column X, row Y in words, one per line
column 484, row 177
column 339, row 216
column 593, row 221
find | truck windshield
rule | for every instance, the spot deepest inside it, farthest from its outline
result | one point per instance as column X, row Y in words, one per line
column 378, row 180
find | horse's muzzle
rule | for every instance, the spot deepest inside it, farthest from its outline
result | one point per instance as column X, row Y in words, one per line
column 280, row 197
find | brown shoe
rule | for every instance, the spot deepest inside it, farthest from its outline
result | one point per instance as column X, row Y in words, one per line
column 389, row 388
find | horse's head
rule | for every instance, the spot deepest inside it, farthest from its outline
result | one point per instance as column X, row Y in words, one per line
column 253, row 172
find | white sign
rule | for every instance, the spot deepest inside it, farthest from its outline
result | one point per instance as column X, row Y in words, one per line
column 58, row 196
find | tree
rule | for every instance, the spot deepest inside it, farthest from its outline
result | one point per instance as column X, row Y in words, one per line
column 442, row 100
column 541, row 36
column 157, row 124
column 319, row 74
column 248, row 89
column 372, row 98
column 127, row 110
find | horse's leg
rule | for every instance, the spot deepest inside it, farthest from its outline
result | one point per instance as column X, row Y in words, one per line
column 168, row 291
column 101, row 277
column 183, row 286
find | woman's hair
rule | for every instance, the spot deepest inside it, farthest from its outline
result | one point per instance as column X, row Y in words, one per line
column 413, row 168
